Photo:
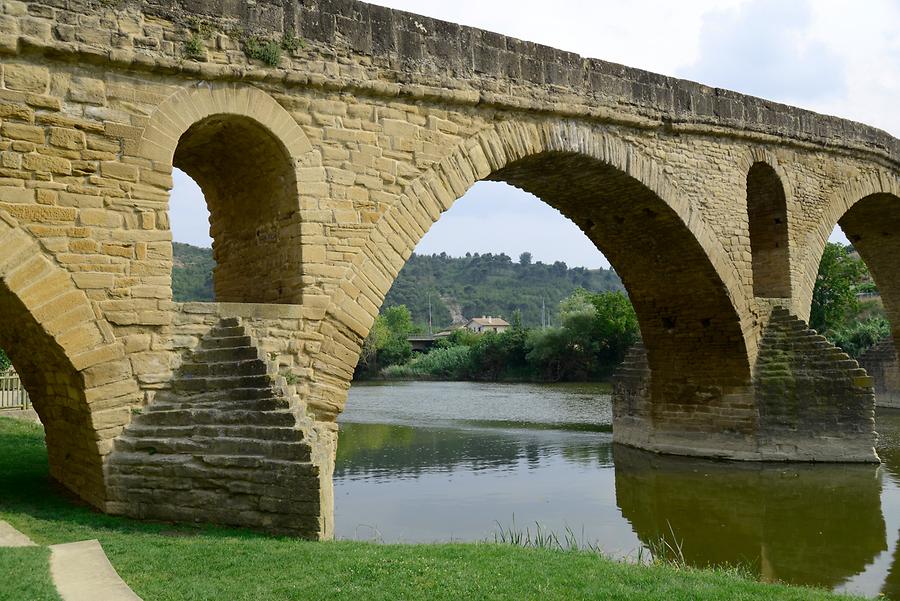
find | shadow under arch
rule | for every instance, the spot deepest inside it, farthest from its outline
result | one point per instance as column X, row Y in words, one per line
column 872, row 225
column 249, row 185
column 70, row 368
column 56, row 390
column 868, row 211
column 842, row 201
column 678, row 277
column 768, row 221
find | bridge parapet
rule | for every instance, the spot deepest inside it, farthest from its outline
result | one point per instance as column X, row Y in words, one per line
column 351, row 46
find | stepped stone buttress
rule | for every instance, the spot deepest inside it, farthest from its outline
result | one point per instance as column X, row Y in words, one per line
column 323, row 160
column 228, row 443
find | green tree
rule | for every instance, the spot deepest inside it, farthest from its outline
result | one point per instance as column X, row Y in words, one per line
column 615, row 326
column 834, row 296
column 597, row 330
column 4, row 361
column 858, row 336
column 377, row 338
column 387, row 342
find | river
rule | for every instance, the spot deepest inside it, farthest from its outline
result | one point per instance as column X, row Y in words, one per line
column 457, row 461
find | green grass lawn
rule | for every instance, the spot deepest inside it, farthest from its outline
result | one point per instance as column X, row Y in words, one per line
column 26, row 575
column 162, row 562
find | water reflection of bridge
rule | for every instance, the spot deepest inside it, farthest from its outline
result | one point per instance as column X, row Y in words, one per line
column 800, row 523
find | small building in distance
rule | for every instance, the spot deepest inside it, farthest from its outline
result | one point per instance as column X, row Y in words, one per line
column 484, row 324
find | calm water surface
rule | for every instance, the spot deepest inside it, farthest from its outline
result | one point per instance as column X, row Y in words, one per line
column 436, row 461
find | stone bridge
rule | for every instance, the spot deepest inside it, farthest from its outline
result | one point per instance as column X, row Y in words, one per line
column 328, row 136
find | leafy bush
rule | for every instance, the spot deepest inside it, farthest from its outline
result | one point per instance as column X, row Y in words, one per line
column 291, row 43
column 267, row 51
column 194, row 47
column 4, row 361
column 450, row 363
column 387, row 342
column 858, row 337
column 459, row 337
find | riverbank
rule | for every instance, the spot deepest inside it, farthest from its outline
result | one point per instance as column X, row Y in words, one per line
column 162, row 562
column 401, row 375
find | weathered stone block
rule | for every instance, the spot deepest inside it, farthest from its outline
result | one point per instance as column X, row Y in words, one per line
column 87, row 90
column 26, row 78
column 28, row 133
column 120, row 171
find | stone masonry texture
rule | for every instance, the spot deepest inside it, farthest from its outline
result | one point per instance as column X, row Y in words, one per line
column 323, row 165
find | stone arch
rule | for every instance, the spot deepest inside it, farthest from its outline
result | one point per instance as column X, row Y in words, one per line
column 865, row 186
column 769, row 232
column 597, row 169
column 248, row 155
column 868, row 211
column 74, row 371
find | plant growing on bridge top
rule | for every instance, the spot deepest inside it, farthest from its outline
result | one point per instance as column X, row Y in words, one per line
column 267, row 51
column 204, row 29
column 291, row 43
column 194, row 48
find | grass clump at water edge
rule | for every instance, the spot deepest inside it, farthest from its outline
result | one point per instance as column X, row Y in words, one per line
column 162, row 562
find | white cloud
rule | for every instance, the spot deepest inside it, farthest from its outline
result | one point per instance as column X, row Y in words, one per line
column 829, row 56
column 867, row 38
column 764, row 48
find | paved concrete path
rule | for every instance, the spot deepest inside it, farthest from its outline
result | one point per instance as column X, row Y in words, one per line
column 82, row 572
column 10, row 537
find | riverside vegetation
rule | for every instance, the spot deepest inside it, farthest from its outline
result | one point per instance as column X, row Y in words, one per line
column 171, row 563
column 595, row 331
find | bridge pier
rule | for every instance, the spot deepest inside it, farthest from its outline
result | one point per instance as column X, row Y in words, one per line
column 808, row 401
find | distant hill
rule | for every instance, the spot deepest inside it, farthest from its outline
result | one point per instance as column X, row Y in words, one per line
column 192, row 273
column 490, row 284
column 468, row 286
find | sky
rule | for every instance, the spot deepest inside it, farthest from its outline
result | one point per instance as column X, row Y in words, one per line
column 840, row 57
